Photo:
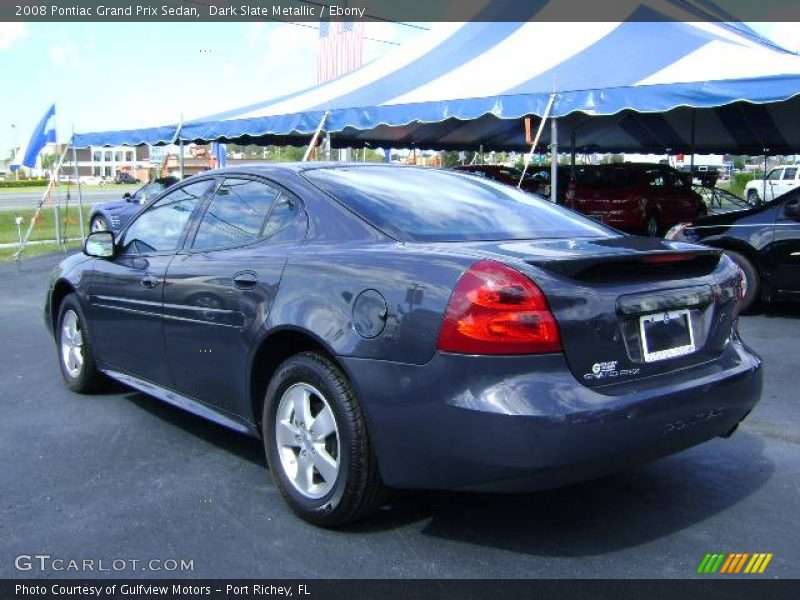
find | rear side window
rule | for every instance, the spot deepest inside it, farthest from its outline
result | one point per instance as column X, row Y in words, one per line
column 604, row 178
column 790, row 173
column 435, row 205
column 236, row 214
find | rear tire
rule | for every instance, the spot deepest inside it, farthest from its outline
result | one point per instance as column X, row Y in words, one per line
column 751, row 280
column 327, row 473
column 75, row 354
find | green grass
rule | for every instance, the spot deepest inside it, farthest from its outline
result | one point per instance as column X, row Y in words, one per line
column 72, row 188
column 7, row 254
column 45, row 225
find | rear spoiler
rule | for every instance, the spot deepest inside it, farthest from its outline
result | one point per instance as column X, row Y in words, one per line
column 655, row 264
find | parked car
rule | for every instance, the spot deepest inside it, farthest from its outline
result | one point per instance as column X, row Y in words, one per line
column 764, row 241
column 94, row 180
column 382, row 326
column 503, row 174
column 113, row 216
column 780, row 180
column 124, row 177
column 635, row 197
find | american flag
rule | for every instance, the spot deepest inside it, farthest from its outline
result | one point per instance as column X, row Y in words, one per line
column 340, row 49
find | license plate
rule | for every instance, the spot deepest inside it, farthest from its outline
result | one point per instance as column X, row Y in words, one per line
column 666, row 335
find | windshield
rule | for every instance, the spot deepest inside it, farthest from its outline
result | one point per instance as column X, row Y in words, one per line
column 418, row 204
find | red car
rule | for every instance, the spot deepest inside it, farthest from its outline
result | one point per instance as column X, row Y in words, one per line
column 507, row 175
column 637, row 198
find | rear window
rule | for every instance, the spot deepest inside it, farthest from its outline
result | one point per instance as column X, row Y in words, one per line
column 606, row 178
column 433, row 205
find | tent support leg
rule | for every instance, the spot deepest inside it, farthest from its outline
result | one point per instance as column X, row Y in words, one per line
column 315, row 137
column 553, row 160
column 529, row 155
column 78, row 183
column 692, row 149
column 572, row 154
column 180, row 158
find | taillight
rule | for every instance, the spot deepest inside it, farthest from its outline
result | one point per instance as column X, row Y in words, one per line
column 495, row 309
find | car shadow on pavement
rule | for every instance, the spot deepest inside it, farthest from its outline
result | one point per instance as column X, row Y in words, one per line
column 243, row 446
column 612, row 513
column 605, row 515
column 616, row 512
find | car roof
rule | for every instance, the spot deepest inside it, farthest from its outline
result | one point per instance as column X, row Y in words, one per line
column 268, row 168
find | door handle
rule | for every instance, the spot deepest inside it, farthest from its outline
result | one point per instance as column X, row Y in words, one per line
column 245, row 280
column 150, row 281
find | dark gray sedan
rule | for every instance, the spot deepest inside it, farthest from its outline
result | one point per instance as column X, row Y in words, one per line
column 398, row 327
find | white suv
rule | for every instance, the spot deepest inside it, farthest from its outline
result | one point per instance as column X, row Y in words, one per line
column 781, row 179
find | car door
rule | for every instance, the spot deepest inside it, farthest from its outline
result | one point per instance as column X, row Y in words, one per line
column 220, row 288
column 785, row 252
column 788, row 181
column 127, row 291
column 772, row 185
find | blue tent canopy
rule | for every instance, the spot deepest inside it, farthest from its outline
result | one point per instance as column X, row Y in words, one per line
column 652, row 82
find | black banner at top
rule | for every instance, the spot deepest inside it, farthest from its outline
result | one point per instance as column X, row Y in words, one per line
column 398, row 10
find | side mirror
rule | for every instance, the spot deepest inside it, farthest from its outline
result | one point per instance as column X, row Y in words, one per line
column 127, row 196
column 99, row 244
column 792, row 209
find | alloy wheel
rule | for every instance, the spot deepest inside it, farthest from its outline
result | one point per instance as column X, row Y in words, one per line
column 307, row 439
column 72, row 344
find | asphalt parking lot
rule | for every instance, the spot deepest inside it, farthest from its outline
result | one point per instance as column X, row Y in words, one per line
column 122, row 476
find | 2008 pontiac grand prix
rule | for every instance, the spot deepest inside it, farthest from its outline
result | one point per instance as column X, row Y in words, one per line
column 399, row 327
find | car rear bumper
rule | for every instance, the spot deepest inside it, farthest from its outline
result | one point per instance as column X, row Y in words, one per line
column 525, row 423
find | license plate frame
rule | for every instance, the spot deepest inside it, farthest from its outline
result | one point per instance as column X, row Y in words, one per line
column 665, row 317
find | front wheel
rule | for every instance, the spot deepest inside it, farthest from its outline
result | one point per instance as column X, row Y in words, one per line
column 76, row 358
column 752, row 197
column 317, row 445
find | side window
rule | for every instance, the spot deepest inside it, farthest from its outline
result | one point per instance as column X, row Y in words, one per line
column 790, row 173
column 775, row 174
column 282, row 216
column 236, row 215
column 160, row 227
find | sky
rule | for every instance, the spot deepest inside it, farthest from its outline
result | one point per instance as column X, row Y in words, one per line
column 128, row 75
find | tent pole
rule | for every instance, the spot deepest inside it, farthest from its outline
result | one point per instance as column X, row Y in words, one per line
column 180, row 158
column 78, row 183
column 328, row 145
column 572, row 154
column 553, row 160
column 315, row 137
column 764, row 178
column 529, row 155
column 691, row 150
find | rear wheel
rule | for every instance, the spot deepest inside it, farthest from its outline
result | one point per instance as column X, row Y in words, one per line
column 76, row 358
column 652, row 226
column 752, row 283
column 317, row 444
column 99, row 223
